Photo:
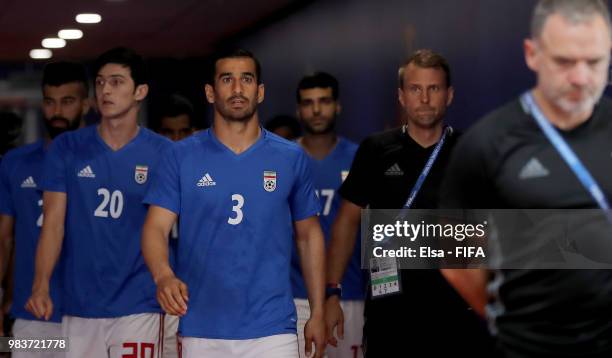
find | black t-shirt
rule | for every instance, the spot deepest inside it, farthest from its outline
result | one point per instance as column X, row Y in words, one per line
column 505, row 161
column 386, row 167
column 428, row 310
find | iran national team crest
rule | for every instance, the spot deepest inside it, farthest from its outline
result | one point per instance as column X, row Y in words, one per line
column 269, row 182
column 140, row 174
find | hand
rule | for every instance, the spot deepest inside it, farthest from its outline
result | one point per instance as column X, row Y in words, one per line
column 172, row 295
column 40, row 304
column 315, row 331
column 334, row 318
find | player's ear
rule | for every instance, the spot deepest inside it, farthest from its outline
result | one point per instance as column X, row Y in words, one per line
column 400, row 96
column 450, row 95
column 141, row 92
column 210, row 93
column 531, row 52
column 85, row 105
column 338, row 108
column 260, row 93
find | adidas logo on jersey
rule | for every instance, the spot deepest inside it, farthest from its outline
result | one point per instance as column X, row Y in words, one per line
column 206, row 180
column 533, row 169
column 86, row 173
column 394, row 170
column 28, row 183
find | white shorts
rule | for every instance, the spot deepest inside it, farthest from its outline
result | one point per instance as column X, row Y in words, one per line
column 278, row 346
column 24, row 328
column 137, row 336
column 350, row 346
column 170, row 340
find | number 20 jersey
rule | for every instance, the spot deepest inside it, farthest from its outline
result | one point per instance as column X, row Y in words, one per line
column 104, row 271
column 236, row 213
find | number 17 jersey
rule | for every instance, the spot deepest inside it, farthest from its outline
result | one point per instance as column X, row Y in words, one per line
column 236, row 215
column 104, row 271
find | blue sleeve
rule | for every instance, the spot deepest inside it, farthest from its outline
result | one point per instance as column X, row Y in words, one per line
column 164, row 190
column 6, row 201
column 303, row 199
column 54, row 172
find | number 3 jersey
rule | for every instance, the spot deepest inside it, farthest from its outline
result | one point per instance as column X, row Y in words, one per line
column 104, row 271
column 236, row 215
column 21, row 198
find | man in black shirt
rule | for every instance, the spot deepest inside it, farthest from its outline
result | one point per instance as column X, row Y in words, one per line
column 427, row 315
column 507, row 161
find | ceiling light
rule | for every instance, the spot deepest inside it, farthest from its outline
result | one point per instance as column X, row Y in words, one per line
column 40, row 53
column 53, row 42
column 70, row 34
column 88, row 18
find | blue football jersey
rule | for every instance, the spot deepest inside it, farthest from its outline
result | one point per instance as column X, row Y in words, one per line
column 21, row 198
column 236, row 214
column 105, row 274
column 328, row 174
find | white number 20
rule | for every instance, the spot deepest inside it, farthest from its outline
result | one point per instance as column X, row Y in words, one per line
column 239, row 199
column 116, row 204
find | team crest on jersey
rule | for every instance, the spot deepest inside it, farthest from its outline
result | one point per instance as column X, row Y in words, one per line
column 140, row 174
column 269, row 182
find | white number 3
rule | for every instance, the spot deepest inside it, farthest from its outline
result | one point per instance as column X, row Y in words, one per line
column 39, row 222
column 239, row 199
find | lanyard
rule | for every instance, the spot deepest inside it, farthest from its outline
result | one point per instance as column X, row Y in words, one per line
column 417, row 186
column 427, row 168
column 566, row 152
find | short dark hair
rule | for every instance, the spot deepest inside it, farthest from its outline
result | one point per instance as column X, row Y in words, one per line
column 231, row 53
column 575, row 12
column 284, row 121
column 318, row 80
column 425, row 58
column 63, row 72
column 127, row 58
column 175, row 105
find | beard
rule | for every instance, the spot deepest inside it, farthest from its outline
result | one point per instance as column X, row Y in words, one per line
column 576, row 107
column 233, row 115
column 69, row 125
column 426, row 117
column 330, row 126
column 589, row 96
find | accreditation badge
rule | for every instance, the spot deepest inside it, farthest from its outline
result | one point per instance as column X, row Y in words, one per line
column 384, row 276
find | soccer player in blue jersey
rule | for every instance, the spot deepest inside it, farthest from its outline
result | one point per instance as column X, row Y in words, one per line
column 176, row 119
column 65, row 101
column 239, row 192
column 176, row 122
column 330, row 158
column 94, row 182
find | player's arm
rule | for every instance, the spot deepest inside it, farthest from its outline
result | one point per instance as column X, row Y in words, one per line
column 311, row 249
column 171, row 292
column 6, row 245
column 467, row 185
column 471, row 285
column 7, row 223
column 339, row 252
column 47, row 253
